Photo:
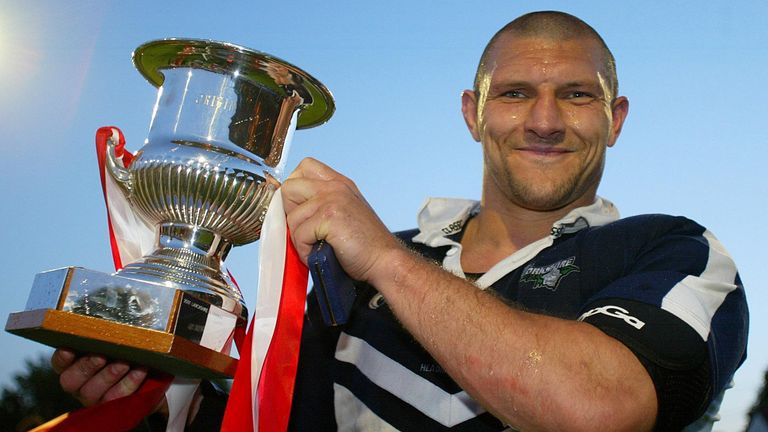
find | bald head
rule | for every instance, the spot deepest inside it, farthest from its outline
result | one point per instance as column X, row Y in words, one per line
column 550, row 25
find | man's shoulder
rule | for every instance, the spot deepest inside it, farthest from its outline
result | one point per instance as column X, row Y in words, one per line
column 661, row 219
column 628, row 239
column 652, row 224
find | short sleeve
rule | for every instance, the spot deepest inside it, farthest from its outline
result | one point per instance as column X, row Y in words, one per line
column 680, row 307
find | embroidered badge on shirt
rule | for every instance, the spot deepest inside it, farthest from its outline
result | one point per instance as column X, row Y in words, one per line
column 549, row 276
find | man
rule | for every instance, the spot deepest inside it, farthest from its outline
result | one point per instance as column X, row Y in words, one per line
column 552, row 315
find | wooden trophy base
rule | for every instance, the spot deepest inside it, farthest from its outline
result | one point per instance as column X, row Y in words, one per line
column 163, row 351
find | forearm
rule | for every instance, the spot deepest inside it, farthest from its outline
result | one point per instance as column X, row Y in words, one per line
column 535, row 372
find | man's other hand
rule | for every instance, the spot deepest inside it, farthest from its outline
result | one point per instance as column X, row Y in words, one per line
column 92, row 379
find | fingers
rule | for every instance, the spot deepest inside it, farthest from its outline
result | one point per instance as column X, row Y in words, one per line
column 91, row 379
column 61, row 359
column 315, row 191
column 322, row 204
column 300, row 209
column 128, row 384
column 298, row 190
column 315, row 172
column 73, row 377
column 314, row 169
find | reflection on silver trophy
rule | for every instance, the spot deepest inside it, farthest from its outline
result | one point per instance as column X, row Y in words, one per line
column 215, row 152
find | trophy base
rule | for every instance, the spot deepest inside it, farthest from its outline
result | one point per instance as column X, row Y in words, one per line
column 150, row 324
column 163, row 351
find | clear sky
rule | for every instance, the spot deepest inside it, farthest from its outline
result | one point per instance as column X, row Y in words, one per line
column 694, row 73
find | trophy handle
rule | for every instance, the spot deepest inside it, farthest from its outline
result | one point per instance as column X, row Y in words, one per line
column 282, row 126
column 114, row 163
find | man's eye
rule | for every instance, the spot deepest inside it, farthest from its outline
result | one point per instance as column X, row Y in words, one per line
column 579, row 95
column 515, row 94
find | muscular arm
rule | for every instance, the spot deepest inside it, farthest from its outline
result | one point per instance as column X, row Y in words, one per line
column 532, row 371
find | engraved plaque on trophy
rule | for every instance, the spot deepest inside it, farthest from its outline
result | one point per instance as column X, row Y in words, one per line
column 215, row 152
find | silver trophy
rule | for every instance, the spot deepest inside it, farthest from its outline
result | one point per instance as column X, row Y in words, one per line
column 216, row 148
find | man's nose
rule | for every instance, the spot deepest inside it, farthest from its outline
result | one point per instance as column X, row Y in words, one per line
column 545, row 118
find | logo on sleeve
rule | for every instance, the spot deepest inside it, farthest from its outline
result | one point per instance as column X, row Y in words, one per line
column 549, row 276
column 615, row 312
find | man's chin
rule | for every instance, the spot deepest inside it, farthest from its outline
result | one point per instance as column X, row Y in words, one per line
column 546, row 199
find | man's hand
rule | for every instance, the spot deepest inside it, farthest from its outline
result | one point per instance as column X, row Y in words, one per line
column 322, row 204
column 91, row 379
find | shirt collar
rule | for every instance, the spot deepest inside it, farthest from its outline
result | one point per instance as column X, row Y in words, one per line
column 441, row 217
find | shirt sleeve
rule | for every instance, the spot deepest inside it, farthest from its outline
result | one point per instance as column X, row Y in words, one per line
column 680, row 307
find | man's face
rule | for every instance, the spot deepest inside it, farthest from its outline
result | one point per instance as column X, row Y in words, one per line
column 545, row 116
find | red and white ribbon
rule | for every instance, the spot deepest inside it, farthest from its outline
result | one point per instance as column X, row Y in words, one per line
column 261, row 394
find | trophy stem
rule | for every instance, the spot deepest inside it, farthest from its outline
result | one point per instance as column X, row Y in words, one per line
column 190, row 258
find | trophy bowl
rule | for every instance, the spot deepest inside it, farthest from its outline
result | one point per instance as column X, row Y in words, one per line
column 220, row 130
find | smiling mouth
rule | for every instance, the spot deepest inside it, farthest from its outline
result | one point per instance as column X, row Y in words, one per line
column 544, row 151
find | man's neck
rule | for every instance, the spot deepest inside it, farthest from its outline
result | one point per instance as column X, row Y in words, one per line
column 498, row 231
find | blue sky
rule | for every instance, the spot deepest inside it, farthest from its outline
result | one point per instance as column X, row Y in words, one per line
column 694, row 73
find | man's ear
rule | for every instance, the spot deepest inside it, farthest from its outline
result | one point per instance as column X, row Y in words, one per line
column 619, row 111
column 469, row 110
